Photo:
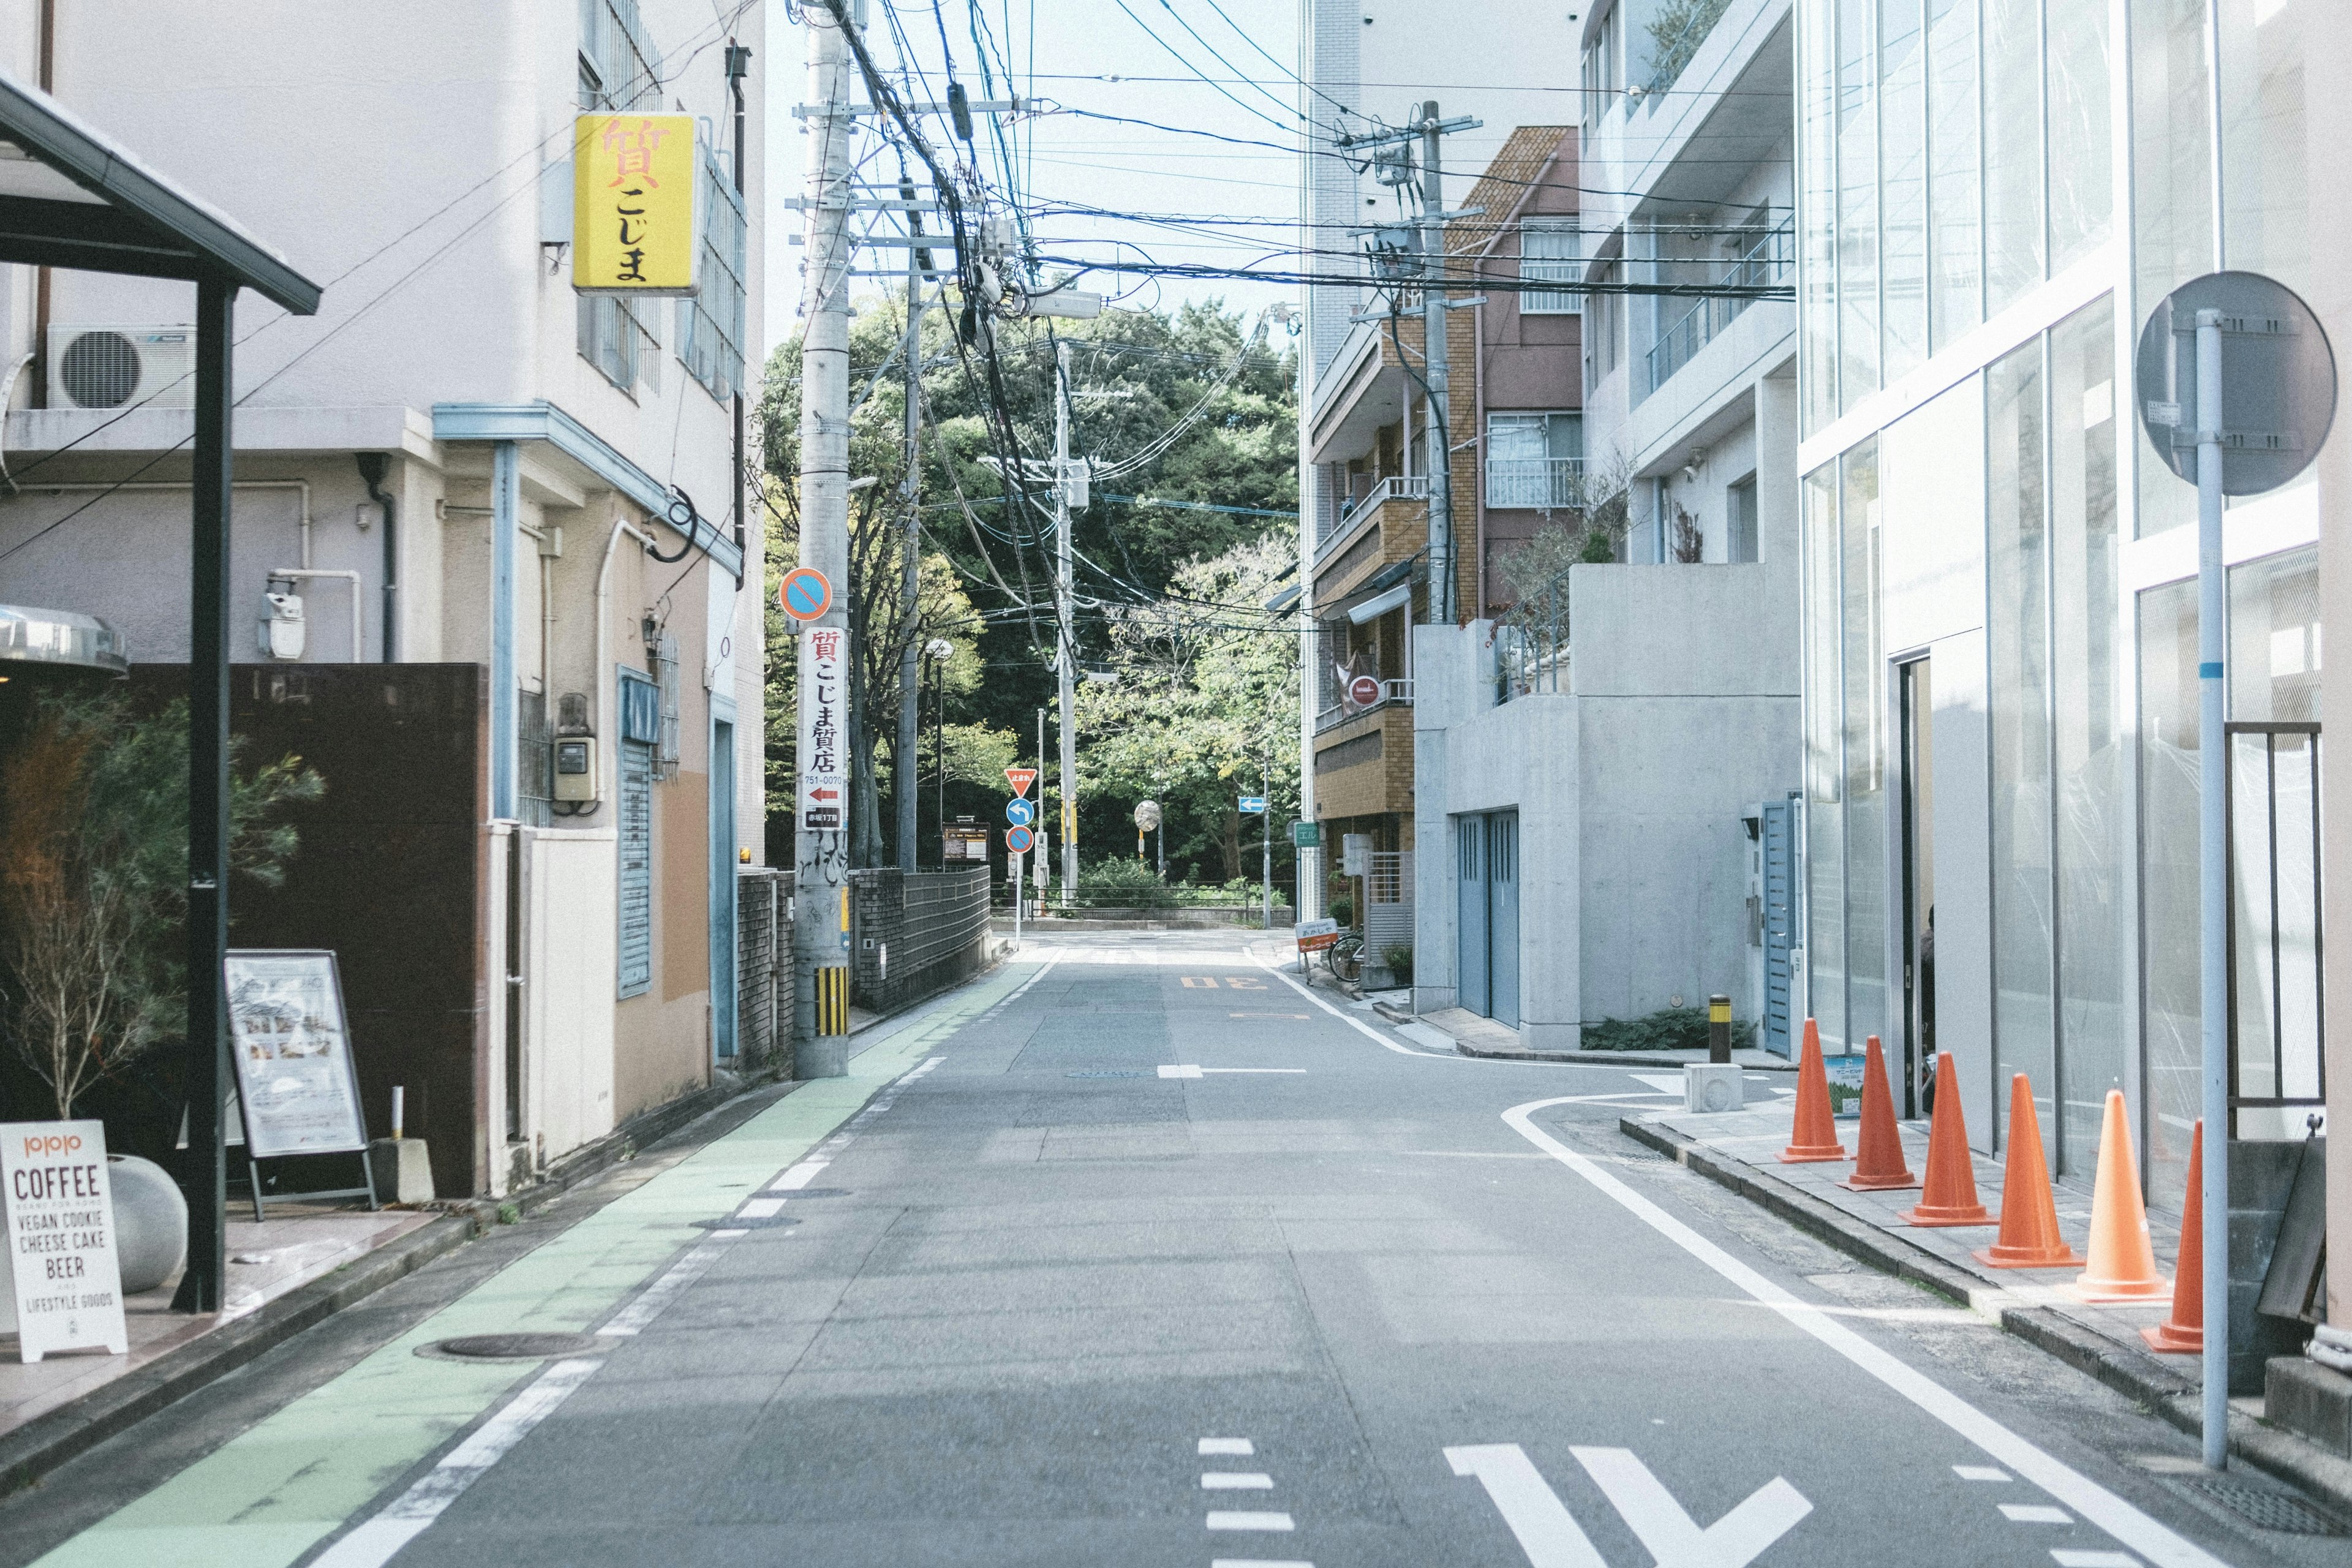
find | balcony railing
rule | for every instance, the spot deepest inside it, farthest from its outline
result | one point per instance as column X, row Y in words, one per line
column 1396, row 487
column 1393, row 694
column 1544, row 483
column 1531, row 654
column 1767, row 263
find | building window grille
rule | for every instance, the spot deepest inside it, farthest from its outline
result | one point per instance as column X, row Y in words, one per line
column 1547, row 254
column 616, row 337
column 619, row 67
column 1535, row 461
column 710, row 325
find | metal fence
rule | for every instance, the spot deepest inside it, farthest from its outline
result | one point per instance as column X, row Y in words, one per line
column 2277, row 1002
column 763, row 968
column 1542, row 484
column 915, row 933
column 1531, row 654
column 1767, row 262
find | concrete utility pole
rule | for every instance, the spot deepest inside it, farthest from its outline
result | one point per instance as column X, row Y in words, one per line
column 1066, row 636
column 821, row 861
column 1441, row 574
column 1265, row 822
column 903, row 771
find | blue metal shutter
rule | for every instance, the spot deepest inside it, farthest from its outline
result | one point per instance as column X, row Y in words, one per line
column 1780, row 923
column 636, row 830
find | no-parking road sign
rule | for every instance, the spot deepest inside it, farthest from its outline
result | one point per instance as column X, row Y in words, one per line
column 805, row 594
column 1019, row 840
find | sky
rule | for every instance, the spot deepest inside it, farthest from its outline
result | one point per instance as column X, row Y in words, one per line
column 1097, row 56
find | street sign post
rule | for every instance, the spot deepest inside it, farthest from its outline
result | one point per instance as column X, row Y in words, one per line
column 1020, row 813
column 1021, row 779
column 1253, row 805
column 2236, row 389
column 1019, row 840
column 1306, row 836
column 1364, row 690
column 823, row 766
column 806, row 594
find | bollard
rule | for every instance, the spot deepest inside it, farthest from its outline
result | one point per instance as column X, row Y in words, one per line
column 1719, row 1030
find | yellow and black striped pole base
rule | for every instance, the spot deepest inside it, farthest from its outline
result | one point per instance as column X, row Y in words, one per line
column 832, row 999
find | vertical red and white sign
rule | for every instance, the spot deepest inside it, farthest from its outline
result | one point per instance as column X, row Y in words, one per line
column 824, row 739
column 63, row 1281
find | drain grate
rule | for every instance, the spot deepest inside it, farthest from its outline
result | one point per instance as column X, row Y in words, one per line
column 2262, row 1508
column 518, row 1347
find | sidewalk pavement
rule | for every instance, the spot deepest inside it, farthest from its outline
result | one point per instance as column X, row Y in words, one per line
column 1473, row 1035
column 1739, row 1149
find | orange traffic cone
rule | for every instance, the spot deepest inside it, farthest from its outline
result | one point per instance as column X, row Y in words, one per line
column 2184, row 1331
column 2029, row 1210
column 1951, row 1194
column 1814, row 1137
column 2122, row 1260
column 1878, row 1153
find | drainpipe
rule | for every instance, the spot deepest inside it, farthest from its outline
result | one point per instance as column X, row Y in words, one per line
column 372, row 466
column 506, row 520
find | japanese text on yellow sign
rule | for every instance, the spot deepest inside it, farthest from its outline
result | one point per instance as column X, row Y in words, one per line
column 632, row 204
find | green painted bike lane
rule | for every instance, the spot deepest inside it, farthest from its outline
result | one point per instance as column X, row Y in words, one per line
column 275, row 1490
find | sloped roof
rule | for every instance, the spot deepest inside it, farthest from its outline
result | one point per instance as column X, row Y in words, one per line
column 71, row 196
column 1509, row 181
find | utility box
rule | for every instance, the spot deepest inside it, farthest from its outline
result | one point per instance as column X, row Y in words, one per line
column 1714, row 1087
column 575, row 768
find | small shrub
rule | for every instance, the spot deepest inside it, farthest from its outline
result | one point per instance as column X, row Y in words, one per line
column 1343, row 909
column 1667, row 1029
column 1123, row 879
column 1398, row 956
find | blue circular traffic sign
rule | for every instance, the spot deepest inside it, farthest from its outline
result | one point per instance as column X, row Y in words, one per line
column 1020, row 813
column 1019, row 840
column 805, row 594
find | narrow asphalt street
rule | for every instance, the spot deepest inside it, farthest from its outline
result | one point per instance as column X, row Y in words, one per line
column 1135, row 1252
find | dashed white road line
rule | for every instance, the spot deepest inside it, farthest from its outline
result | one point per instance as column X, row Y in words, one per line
column 2069, row 1559
column 761, row 1208
column 1275, row 1522
column 1189, row 1069
column 1254, row 1563
column 1980, row 1473
column 1241, row 1445
column 799, row 1176
column 2093, row 1501
column 1237, row 1481
column 2035, row 1513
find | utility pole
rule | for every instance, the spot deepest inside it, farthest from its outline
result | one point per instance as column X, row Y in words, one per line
column 821, row 861
column 903, row 771
column 1066, row 643
column 1442, row 573
column 1266, row 821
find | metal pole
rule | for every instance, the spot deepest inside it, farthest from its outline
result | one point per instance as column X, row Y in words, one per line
column 821, row 860
column 2212, row 887
column 940, row 745
column 208, row 615
column 1719, row 1030
column 1067, row 656
column 904, row 775
column 1434, row 353
column 1265, row 822
column 738, row 66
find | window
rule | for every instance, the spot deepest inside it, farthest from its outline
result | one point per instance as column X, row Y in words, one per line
column 1547, row 254
column 615, row 337
column 710, row 325
column 619, row 68
column 1534, row 460
column 640, row 731
column 1600, row 75
column 1739, row 506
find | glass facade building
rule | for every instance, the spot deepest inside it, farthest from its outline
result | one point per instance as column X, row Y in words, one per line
column 2000, row 726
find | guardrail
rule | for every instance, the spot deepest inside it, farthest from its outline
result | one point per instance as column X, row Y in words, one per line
column 1532, row 653
column 1538, row 483
column 1392, row 693
column 1396, row 487
column 1763, row 266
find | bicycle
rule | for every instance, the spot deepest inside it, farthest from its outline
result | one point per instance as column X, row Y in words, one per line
column 1345, row 957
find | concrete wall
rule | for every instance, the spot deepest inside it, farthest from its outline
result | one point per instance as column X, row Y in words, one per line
column 574, row 932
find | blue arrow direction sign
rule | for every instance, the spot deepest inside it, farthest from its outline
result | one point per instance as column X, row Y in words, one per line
column 1253, row 804
column 1020, row 813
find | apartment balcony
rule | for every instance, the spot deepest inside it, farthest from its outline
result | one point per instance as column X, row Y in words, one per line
column 1394, row 693
column 1356, row 510
column 1540, row 484
column 1770, row 263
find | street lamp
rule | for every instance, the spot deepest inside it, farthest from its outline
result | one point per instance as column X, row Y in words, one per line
column 938, row 651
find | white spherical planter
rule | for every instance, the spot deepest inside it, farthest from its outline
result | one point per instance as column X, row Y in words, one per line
column 151, row 1222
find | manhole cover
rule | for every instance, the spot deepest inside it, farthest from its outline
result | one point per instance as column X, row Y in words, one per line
column 2262, row 1508
column 741, row 1222
column 518, row 1347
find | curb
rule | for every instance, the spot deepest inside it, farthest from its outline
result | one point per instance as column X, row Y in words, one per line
column 1590, row 1059
column 52, row 1439
column 2130, row 1372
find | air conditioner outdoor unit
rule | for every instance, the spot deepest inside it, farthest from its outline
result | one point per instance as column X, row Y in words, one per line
column 119, row 367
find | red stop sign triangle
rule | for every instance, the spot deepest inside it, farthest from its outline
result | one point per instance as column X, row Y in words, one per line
column 1021, row 779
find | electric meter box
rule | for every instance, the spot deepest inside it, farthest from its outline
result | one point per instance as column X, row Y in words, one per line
column 575, row 768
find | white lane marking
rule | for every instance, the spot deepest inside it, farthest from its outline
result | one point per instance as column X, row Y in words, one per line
column 632, row 1317
column 1546, row 1530
column 1241, row 1445
column 1269, row 1521
column 761, row 1208
column 2035, row 1513
column 1664, row 1083
column 1980, row 1473
column 1237, row 1481
column 1250, row 1070
column 1674, row 1538
column 408, row 1516
column 799, row 1176
column 1359, row 1025
column 2068, row 1559
column 1180, row 1072
column 2091, row 1501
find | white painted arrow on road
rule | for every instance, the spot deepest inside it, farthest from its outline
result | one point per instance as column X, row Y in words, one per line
column 1552, row 1538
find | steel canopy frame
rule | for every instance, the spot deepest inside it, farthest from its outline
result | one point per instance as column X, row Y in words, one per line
column 91, row 207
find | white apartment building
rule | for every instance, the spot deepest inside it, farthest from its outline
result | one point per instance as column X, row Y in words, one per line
column 467, row 478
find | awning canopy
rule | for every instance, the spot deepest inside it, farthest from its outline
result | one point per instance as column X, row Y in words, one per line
column 65, row 638
column 70, row 196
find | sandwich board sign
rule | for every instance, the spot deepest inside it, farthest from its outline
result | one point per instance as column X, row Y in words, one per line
column 295, row 1076
column 65, row 1289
